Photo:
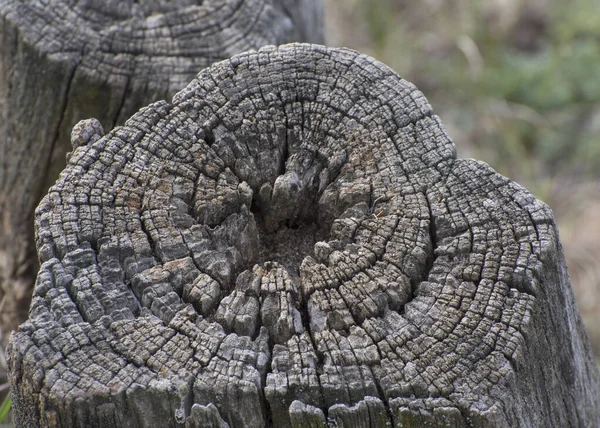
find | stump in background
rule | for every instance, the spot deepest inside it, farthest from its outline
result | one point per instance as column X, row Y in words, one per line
column 292, row 240
column 63, row 61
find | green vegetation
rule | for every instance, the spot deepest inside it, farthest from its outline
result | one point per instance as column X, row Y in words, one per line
column 5, row 408
column 515, row 80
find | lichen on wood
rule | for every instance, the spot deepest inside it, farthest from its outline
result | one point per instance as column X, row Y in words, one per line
column 292, row 241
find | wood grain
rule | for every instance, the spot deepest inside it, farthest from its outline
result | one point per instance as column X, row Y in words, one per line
column 292, row 241
column 64, row 61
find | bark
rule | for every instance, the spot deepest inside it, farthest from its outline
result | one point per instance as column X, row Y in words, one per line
column 292, row 242
column 63, row 61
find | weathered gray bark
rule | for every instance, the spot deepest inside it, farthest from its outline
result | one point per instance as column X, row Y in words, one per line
column 293, row 241
column 63, row 61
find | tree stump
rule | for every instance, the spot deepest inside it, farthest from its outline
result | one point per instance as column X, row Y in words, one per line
column 292, row 242
column 63, row 61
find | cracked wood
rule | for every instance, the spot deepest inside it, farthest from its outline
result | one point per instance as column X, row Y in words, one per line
column 63, row 61
column 292, row 242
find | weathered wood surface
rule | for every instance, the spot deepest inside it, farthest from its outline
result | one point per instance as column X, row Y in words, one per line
column 293, row 242
column 63, row 61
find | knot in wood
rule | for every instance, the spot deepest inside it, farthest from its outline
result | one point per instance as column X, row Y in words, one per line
column 86, row 132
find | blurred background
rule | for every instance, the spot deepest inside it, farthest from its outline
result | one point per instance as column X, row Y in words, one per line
column 517, row 84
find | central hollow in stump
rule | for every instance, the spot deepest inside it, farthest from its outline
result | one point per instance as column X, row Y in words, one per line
column 293, row 242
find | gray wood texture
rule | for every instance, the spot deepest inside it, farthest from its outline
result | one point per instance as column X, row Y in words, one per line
column 293, row 242
column 62, row 61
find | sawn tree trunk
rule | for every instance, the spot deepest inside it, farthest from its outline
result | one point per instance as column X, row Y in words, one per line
column 62, row 61
column 292, row 242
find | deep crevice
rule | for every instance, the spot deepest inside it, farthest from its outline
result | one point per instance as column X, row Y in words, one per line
column 49, row 180
column 289, row 244
column 431, row 257
column 125, row 96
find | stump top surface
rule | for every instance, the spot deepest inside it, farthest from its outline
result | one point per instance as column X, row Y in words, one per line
column 292, row 234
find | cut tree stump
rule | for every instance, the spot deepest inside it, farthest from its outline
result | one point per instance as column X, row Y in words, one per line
column 293, row 242
column 63, row 61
